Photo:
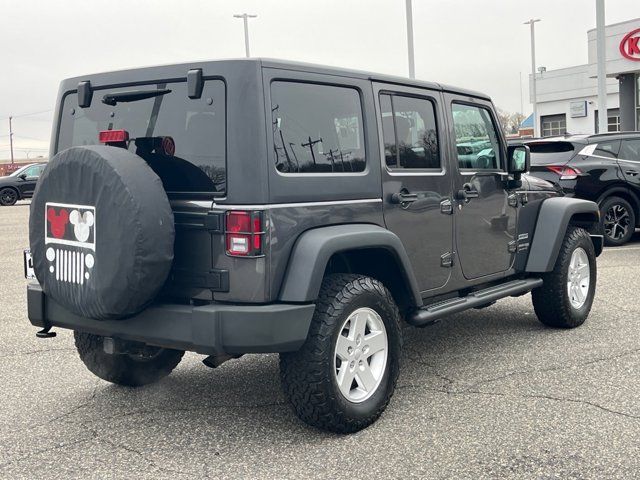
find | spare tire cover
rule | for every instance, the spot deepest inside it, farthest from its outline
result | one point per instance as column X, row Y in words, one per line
column 101, row 232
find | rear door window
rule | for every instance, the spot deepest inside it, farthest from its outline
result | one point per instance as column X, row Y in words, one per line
column 409, row 131
column 630, row 150
column 182, row 139
column 317, row 128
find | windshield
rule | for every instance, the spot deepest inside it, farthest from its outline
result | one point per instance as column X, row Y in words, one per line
column 546, row 153
column 182, row 139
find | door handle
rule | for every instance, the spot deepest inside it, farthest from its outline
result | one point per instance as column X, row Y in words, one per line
column 467, row 192
column 631, row 173
column 403, row 196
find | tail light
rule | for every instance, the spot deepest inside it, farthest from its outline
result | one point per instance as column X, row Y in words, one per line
column 566, row 173
column 244, row 233
column 113, row 136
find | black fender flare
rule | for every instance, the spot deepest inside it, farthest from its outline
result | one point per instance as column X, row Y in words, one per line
column 314, row 248
column 553, row 219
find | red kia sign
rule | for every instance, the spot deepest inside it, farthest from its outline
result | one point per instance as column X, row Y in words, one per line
column 630, row 45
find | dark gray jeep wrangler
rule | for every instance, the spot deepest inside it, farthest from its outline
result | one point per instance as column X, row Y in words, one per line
column 255, row 206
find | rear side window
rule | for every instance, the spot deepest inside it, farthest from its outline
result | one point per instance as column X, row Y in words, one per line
column 195, row 127
column 607, row 149
column 317, row 128
column 409, row 132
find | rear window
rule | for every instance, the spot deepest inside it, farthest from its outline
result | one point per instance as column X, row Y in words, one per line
column 317, row 128
column 544, row 153
column 196, row 126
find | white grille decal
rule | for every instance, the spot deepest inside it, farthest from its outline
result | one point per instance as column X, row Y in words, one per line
column 70, row 266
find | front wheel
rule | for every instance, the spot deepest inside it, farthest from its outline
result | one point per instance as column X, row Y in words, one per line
column 564, row 300
column 149, row 365
column 344, row 375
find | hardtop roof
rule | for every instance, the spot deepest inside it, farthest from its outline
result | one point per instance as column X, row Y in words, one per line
column 170, row 71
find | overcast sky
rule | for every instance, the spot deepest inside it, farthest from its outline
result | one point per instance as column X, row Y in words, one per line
column 478, row 44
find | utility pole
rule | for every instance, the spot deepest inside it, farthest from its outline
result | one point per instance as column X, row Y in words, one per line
column 412, row 67
column 11, row 139
column 245, row 17
column 531, row 23
column 521, row 96
column 602, row 68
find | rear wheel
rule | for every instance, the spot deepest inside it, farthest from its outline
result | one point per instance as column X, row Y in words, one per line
column 619, row 221
column 566, row 296
column 8, row 197
column 148, row 365
column 344, row 375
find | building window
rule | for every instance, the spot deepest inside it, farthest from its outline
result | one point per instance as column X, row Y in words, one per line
column 613, row 120
column 553, row 125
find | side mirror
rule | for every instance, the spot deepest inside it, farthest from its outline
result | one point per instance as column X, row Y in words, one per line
column 23, row 176
column 519, row 160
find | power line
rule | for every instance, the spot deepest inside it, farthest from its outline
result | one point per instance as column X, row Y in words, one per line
column 20, row 115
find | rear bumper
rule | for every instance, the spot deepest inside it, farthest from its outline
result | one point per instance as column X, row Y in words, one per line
column 207, row 329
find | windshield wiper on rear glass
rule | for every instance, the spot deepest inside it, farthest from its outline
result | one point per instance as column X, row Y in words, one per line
column 132, row 96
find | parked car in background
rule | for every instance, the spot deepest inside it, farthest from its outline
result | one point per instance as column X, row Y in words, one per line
column 20, row 184
column 604, row 168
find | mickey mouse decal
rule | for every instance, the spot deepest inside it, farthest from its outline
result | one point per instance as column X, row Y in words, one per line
column 71, row 251
column 82, row 223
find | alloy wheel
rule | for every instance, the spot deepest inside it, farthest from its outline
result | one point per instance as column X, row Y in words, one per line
column 616, row 222
column 360, row 357
column 8, row 197
column 578, row 278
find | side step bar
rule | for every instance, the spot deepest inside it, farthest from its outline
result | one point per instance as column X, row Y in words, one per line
column 431, row 313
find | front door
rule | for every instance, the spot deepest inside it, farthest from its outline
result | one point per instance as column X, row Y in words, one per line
column 28, row 185
column 485, row 209
column 416, row 179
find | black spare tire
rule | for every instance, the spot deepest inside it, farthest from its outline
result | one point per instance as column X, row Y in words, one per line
column 101, row 232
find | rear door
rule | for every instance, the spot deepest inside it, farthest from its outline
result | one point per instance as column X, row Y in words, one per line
column 486, row 211
column 416, row 179
column 629, row 160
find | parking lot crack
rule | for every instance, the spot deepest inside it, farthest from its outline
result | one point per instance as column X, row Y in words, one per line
column 557, row 367
column 465, row 392
column 35, row 352
column 152, row 463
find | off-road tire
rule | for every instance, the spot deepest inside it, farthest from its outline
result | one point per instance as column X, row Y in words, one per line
column 551, row 301
column 607, row 204
column 308, row 375
column 123, row 369
column 8, row 197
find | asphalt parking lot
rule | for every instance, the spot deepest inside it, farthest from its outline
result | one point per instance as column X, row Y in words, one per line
column 486, row 394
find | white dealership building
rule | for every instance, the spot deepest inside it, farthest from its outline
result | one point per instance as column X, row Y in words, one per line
column 567, row 98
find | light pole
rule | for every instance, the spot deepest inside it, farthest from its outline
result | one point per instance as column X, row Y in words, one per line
column 602, row 68
column 532, row 23
column 412, row 68
column 245, row 17
column 11, row 138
